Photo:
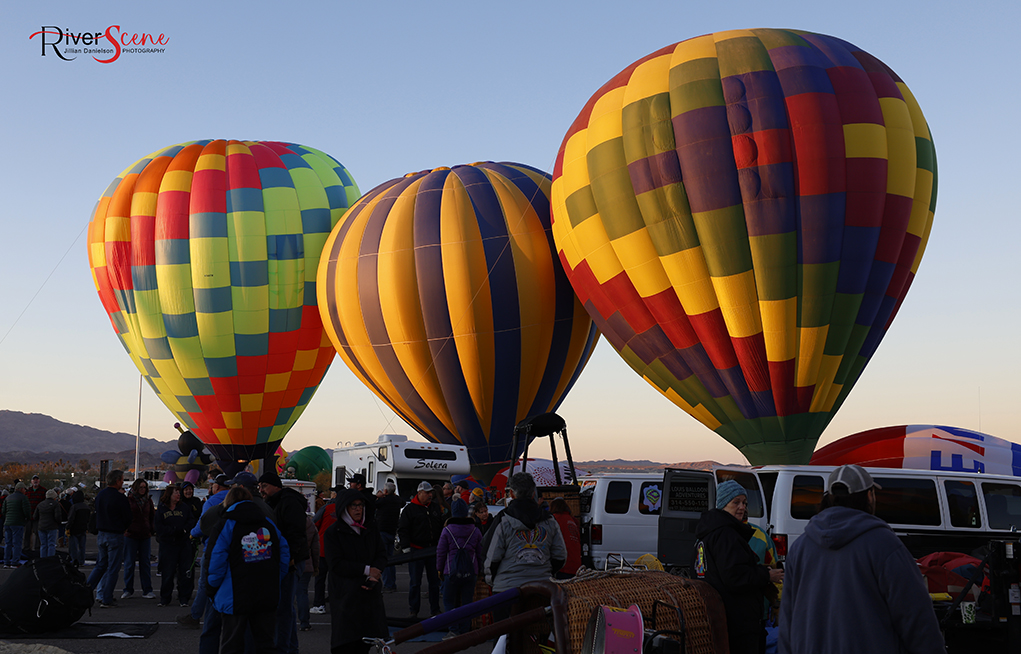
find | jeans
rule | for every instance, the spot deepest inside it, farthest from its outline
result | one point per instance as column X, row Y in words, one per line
column 415, row 568
column 287, row 628
column 175, row 562
column 12, row 550
column 319, row 598
column 137, row 549
column 389, row 578
column 198, row 607
column 76, row 547
column 456, row 594
column 48, row 542
column 302, row 597
column 212, row 622
column 108, row 565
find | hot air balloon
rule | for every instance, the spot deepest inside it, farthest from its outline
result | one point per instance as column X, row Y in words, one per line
column 204, row 255
column 742, row 214
column 924, row 447
column 309, row 462
column 442, row 292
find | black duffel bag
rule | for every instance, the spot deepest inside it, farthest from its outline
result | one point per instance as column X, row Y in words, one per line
column 43, row 595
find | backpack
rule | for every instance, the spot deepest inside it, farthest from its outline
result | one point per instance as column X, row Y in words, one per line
column 462, row 566
column 44, row 595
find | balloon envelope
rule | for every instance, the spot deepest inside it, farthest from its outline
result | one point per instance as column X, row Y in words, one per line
column 309, row 462
column 924, row 447
column 542, row 471
column 742, row 214
column 204, row 255
column 442, row 292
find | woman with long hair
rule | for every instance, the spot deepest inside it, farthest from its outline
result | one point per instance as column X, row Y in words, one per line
column 138, row 540
column 174, row 520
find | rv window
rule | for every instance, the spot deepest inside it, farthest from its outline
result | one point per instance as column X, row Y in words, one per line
column 435, row 455
column 650, row 498
column 963, row 504
column 749, row 481
column 907, row 501
column 806, row 495
column 618, row 497
column 1003, row 505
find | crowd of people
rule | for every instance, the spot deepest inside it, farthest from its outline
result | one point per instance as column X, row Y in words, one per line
column 253, row 550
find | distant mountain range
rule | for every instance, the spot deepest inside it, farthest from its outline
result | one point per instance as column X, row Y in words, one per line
column 36, row 433
column 33, row 437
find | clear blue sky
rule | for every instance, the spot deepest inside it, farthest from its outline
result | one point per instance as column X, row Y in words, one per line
column 393, row 87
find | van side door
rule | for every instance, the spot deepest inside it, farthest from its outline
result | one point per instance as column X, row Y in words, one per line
column 687, row 494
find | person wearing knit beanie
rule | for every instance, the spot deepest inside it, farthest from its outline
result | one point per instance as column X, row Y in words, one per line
column 727, row 491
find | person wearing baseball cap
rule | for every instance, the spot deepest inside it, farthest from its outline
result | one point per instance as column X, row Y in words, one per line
column 728, row 564
column 848, row 562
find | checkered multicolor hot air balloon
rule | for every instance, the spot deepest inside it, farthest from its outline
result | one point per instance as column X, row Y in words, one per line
column 442, row 292
column 742, row 214
column 204, row 255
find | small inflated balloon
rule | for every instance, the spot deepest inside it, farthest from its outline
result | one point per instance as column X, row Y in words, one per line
column 924, row 447
column 742, row 214
column 443, row 293
column 204, row 255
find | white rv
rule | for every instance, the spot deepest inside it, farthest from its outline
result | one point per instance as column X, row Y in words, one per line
column 405, row 462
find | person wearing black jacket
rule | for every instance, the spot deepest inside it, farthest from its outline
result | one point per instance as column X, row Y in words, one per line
column 388, row 514
column 419, row 529
column 174, row 521
column 356, row 558
column 357, row 482
column 729, row 565
column 77, row 524
column 138, row 540
column 113, row 515
column 290, row 508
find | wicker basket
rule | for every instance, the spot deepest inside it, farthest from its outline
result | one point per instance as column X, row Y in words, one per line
column 574, row 600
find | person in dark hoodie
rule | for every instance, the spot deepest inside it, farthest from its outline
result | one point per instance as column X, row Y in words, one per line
column 174, row 521
column 852, row 584
column 248, row 558
column 290, row 508
column 356, row 558
column 526, row 543
column 460, row 533
column 731, row 567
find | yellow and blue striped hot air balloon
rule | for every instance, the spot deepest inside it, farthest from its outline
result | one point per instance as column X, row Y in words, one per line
column 443, row 293
column 204, row 255
column 742, row 214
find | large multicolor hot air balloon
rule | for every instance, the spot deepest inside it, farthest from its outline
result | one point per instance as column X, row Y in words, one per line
column 442, row 292
column 924, row 447
column 742, row 214
column 204, row 255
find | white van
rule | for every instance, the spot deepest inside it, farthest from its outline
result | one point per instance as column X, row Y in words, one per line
column 405, row 462
column 619, row 517
column 929, row 510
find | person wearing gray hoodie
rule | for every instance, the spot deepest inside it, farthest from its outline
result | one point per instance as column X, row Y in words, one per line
column 851, row 586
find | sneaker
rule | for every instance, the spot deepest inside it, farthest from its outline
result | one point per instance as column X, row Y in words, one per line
column 449, row 635
column 390, row 589
column 318, row 610
column 161, row 605
column 126, row 594
column 111, row 605
column 149, row 595
column 184, row 603
column 305, row 627
column 187, row 621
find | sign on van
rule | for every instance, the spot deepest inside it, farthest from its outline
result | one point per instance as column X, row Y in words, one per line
column 688, row 496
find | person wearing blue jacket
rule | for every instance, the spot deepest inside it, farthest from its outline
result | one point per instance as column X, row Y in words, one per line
column 247, row 561
column 851, row 586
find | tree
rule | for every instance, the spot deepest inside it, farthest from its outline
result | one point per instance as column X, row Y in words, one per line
column 84, row 465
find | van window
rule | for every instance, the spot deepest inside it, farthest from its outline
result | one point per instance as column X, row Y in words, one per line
column 689, row 495
column 806, row 496
column 904, row 501
column 650, row 498
column 963, row 504
column 768, row 481
column 618, row 497
column 750, row 482
column 1003, row 504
